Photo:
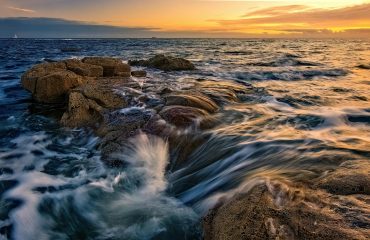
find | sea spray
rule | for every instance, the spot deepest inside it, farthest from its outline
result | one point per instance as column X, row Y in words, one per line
column 129, row 203
column 144, row 210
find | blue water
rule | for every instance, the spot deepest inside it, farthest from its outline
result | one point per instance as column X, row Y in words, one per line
column 312, row 113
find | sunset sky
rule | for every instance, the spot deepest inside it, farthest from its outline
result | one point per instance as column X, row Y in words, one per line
column 218, row 18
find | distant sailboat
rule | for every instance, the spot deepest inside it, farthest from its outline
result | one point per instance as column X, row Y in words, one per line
column 15, row 36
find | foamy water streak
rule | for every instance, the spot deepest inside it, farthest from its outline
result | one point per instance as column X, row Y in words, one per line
column 103, row 203
column 144, row 180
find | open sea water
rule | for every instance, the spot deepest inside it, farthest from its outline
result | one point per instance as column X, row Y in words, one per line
column 312, row 114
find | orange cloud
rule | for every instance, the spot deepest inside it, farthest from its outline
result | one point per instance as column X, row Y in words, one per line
column 275, row 11
column 278, row 18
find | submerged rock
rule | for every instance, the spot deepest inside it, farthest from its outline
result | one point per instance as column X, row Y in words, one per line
column 297, row 102
column 191, row 99
column 165, row 63
column 224, row 91
column 182, row 116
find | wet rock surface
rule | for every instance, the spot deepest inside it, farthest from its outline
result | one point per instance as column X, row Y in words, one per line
column 181, row 116
column 350, row 178
column 84, row 69
column 281, row 210
column 165, row 63
column 111, row 66
column 191, row 99
column 50, row 82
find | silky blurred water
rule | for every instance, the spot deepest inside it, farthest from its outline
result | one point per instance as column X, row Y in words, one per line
column 312, row 113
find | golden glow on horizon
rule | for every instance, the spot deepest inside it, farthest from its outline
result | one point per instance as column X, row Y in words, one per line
column 228, row 16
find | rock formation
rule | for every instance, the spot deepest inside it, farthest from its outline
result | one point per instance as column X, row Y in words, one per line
column 99, row 93
column 50, row 82
column 283, row 210
column 165, row 63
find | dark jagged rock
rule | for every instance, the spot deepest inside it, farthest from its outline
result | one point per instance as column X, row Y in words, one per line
column 118, row 127
column 82, row 112
column 165, row 63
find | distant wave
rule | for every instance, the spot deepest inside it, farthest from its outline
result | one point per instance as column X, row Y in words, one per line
column 290, row 75
column 364, row 66
column 238, row 52
column 285, row 62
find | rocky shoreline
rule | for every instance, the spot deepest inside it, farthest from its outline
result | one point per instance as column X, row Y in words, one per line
column 106, row 95
column 331, row 207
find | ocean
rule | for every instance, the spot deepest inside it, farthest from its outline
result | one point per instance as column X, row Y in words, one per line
column 312, row 113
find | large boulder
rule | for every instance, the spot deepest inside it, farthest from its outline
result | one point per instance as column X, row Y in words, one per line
column 165, row 63
column 111, row 66
column 50, row 82
column 84, row 69
column 29, row 78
